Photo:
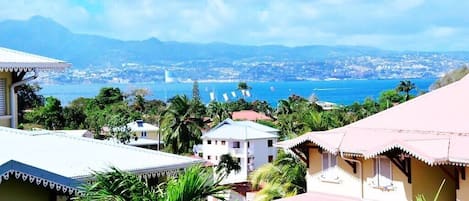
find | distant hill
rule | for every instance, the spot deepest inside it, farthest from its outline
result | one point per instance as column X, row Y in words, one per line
column 46, row 37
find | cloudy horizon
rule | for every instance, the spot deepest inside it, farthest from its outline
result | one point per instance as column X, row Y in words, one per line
column 424, row 25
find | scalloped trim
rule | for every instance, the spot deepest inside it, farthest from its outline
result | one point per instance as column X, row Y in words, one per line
column 38, row 181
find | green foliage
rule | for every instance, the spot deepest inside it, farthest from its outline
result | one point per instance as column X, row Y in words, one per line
column 405, row 86
column 49, row 115
column 117, row 185
column 243, row 86
column 28, row 99
column 263, row 107
column 218, row 111
column 282, row 178
column 421, row 197
column 182, row 124
column 195, row 91
column 451, row 77
column 227, row 164
column 108, row 96
column 389, row 98
column 195, row 184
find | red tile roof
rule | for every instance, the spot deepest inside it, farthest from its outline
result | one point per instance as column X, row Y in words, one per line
column 249, row 115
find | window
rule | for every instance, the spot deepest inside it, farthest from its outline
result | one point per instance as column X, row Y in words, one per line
column 223, row 142
column 216, row 157
column 209, row 157
column 239, row 160
column 216, row 141
column 270, row 143
column 382, row 172
column 209, row 141
column 271, row 158
column 236, row 144
column 3, row 106
column 249, row 144
column 144, row 134
column 329, row 166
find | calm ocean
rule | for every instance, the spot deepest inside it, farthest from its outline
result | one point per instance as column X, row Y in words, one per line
column 337, row 91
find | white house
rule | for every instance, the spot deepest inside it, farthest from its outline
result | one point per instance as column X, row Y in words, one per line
column 249, row 142
column 48, row 165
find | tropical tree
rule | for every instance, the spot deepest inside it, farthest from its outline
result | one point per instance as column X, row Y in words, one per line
column 405, row 86
column 28, row 98
column 227, row 164
column 108, row 96
column 182, row 123
column 218, row 112
column 50, row 115
column 117, row 185
column 195, row 184
column 282, row 178
column 243, row 87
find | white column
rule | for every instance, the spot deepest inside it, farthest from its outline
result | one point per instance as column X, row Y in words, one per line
column 245, row 153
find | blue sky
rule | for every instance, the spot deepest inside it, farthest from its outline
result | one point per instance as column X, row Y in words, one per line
column 438, row 25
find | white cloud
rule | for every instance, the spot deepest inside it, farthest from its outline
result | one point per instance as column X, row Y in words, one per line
column 393, row 24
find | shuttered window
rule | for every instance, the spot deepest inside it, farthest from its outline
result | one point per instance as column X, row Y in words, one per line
column 329, row 166
column 3, row 106
column 383, row 172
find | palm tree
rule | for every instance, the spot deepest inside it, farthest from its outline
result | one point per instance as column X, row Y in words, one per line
column 227, row 164
column 195, row 184
column 117, row 185
column 218, row 112
column 182, row 124
column 282, row 178
column 405, row 86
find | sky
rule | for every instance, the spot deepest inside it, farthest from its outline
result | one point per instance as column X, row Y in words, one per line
column 423, row 25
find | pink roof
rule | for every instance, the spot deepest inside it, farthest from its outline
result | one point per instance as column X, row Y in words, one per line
column 433, row 127
column 249, row 115
column 311, row 196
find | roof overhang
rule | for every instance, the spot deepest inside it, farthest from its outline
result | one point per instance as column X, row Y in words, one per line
column 17, row 61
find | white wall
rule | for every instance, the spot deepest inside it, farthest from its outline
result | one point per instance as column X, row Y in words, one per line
column 257, row 148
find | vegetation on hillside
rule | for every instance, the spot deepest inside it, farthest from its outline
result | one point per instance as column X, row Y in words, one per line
column 451, row 77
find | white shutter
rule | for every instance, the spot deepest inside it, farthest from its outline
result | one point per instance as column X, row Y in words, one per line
column 385, row 172
column 329, row 163
column 3, row 110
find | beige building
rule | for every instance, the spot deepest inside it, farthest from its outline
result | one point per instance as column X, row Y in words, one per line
column 398, row 154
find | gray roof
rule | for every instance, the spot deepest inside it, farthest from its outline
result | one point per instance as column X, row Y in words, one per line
column 240, row 130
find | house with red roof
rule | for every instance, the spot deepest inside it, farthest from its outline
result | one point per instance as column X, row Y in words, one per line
column 398, row 154
column 249, row 115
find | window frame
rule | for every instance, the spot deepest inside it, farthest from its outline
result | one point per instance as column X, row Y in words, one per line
column 270, row 158
column 209, row 141
column 378, row 176
column 330, row 171
column 270, row 143
column 236, row 145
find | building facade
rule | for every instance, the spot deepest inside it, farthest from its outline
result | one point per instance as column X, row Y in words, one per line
column 409, row 150
column 250, row 143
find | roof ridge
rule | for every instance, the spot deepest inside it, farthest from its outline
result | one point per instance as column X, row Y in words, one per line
column 408, row 131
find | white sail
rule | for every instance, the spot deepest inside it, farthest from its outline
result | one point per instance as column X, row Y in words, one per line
column 248, row 94
column 212, row 96
column 225, row 96
column 243, row 92
column 233, row 94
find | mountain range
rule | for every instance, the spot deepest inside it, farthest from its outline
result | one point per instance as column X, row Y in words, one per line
column 46, row 37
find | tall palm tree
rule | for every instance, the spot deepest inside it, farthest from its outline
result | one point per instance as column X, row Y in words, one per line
column 405, row 86
column 182, row 124
column 282, row 178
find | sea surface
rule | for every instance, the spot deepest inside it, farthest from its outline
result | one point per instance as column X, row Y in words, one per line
column 338, row 91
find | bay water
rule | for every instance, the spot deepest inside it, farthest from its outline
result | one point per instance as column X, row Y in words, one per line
column 338, row 91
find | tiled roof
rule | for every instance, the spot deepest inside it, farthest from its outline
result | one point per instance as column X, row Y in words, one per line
column 249, row 115
column 240, row 130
